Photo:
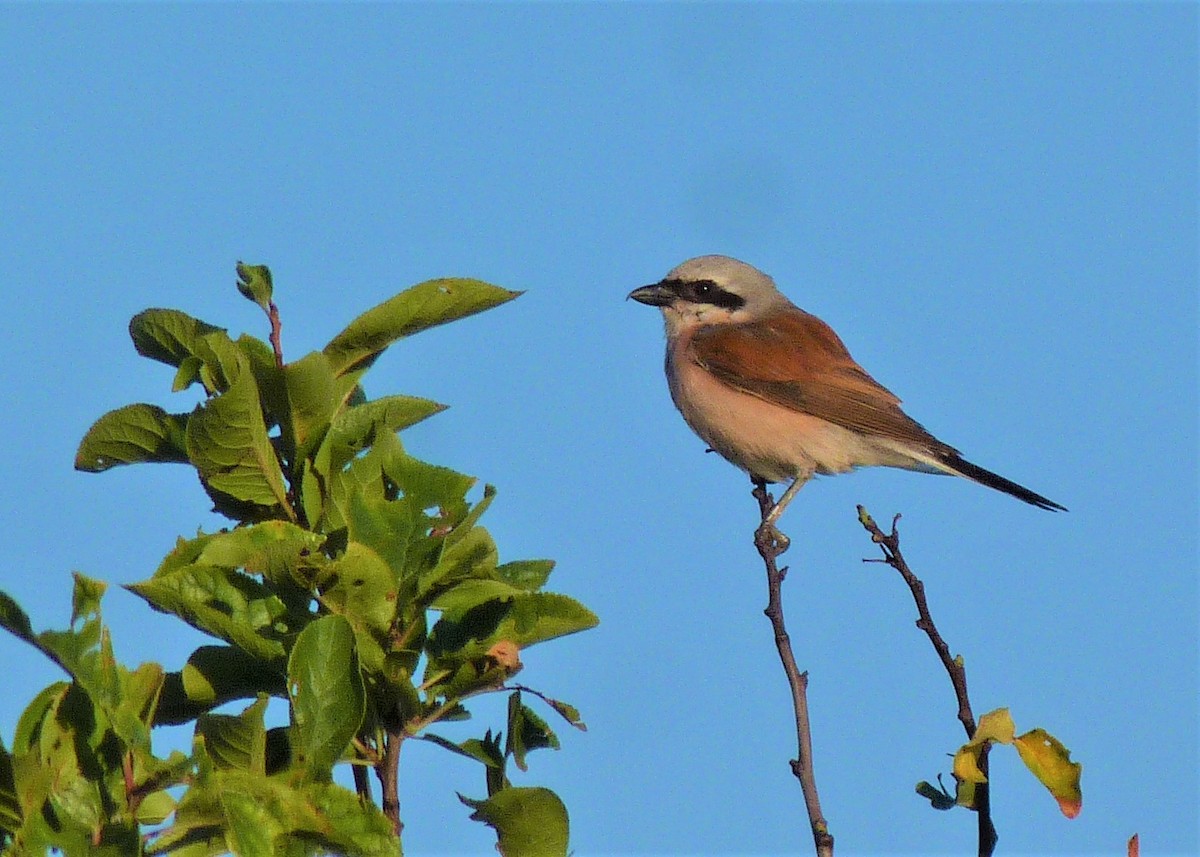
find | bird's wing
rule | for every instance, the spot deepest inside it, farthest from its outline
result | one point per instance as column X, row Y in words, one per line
column 796, row 360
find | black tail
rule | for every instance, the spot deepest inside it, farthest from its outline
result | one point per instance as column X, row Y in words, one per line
column 992, row 480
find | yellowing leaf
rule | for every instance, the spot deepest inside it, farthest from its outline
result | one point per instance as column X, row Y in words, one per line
column 1051, row 763
column 966, row 764
column 995, row 726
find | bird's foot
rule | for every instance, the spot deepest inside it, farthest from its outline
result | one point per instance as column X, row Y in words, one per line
column 768, row 537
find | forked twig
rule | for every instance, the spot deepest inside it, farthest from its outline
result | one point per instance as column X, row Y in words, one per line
column 889, row 543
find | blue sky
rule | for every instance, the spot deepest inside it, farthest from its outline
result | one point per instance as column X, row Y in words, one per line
column 994, row 204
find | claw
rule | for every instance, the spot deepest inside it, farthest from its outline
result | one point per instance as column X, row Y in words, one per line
column 768, row 534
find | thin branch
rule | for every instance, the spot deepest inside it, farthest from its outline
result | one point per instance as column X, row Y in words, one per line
column 362, row 784
column 889, row 543
column 388, row 771
column 133, row 797
column 276, row 329
column 771, row 543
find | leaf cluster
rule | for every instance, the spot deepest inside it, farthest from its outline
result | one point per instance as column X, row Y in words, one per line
column 355, row 583
column 1043, row 754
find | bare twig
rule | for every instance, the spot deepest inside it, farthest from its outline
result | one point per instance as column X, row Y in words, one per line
column 889, row 543
column 771, row 543
column 276, row 329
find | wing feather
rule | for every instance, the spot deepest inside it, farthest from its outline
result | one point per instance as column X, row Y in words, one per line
column 796, row 361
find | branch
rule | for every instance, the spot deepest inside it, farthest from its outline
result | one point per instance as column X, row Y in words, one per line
column 362, row 784
column 889, row 543
column 388, row 771
column 276, row 328
column 771, row 543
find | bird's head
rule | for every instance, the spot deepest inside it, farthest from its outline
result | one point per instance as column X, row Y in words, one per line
column 711, row 290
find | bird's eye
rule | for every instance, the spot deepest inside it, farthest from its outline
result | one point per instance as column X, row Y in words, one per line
column 703, row 290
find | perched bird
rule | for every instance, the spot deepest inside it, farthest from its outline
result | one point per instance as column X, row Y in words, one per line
column 774, row 391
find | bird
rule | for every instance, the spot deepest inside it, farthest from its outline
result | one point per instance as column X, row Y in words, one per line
column 774, row 391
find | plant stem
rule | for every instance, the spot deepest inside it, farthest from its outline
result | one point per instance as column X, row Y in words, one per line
column 276, row 329
column 388, row 771
column 889, row 543
column 770, row 544
column 362, row 785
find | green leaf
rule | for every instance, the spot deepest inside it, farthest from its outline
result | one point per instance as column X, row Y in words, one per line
column 25, row 737
column 529, row 822
column 540, row 616
column 137, row 699
column 67, row 742
column 10, row 806
column 471, row 593
column 427, row 485
column 355, row 428
column 185, row 553
column 236, row 742
column 938, row 797
column 268, row 376
column 350, row 826
column 213, row 676
column 567, row 712
column 254, row 282
column 529, row 618
column 253, row 829
column 472, row 556
column 312, row 402
column 15, row 620
column 326, row 690
column 76, row 798
column 228, row 444
column 484, row 752
column 423, row 306
column 155, row 808
column 465, row 525
column 224, row 603
column 76, row 651
column 85, row 597
column 167, row 335
column 528, row 574
column 294, row 818
column 385, row 526
column 312, row 498
column 221, row 361
column 526, row 731
column 270, row 548
column 187, row 374
column 133, row 434
column 362, row 589
column 1051, row 763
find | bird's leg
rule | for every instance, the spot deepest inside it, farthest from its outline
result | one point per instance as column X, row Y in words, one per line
column 767, row 527
column 783, row 501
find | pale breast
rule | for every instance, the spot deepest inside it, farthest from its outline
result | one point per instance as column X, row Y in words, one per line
column 769, row 440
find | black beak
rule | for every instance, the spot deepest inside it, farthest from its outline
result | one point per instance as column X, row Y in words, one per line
column 655, row 295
